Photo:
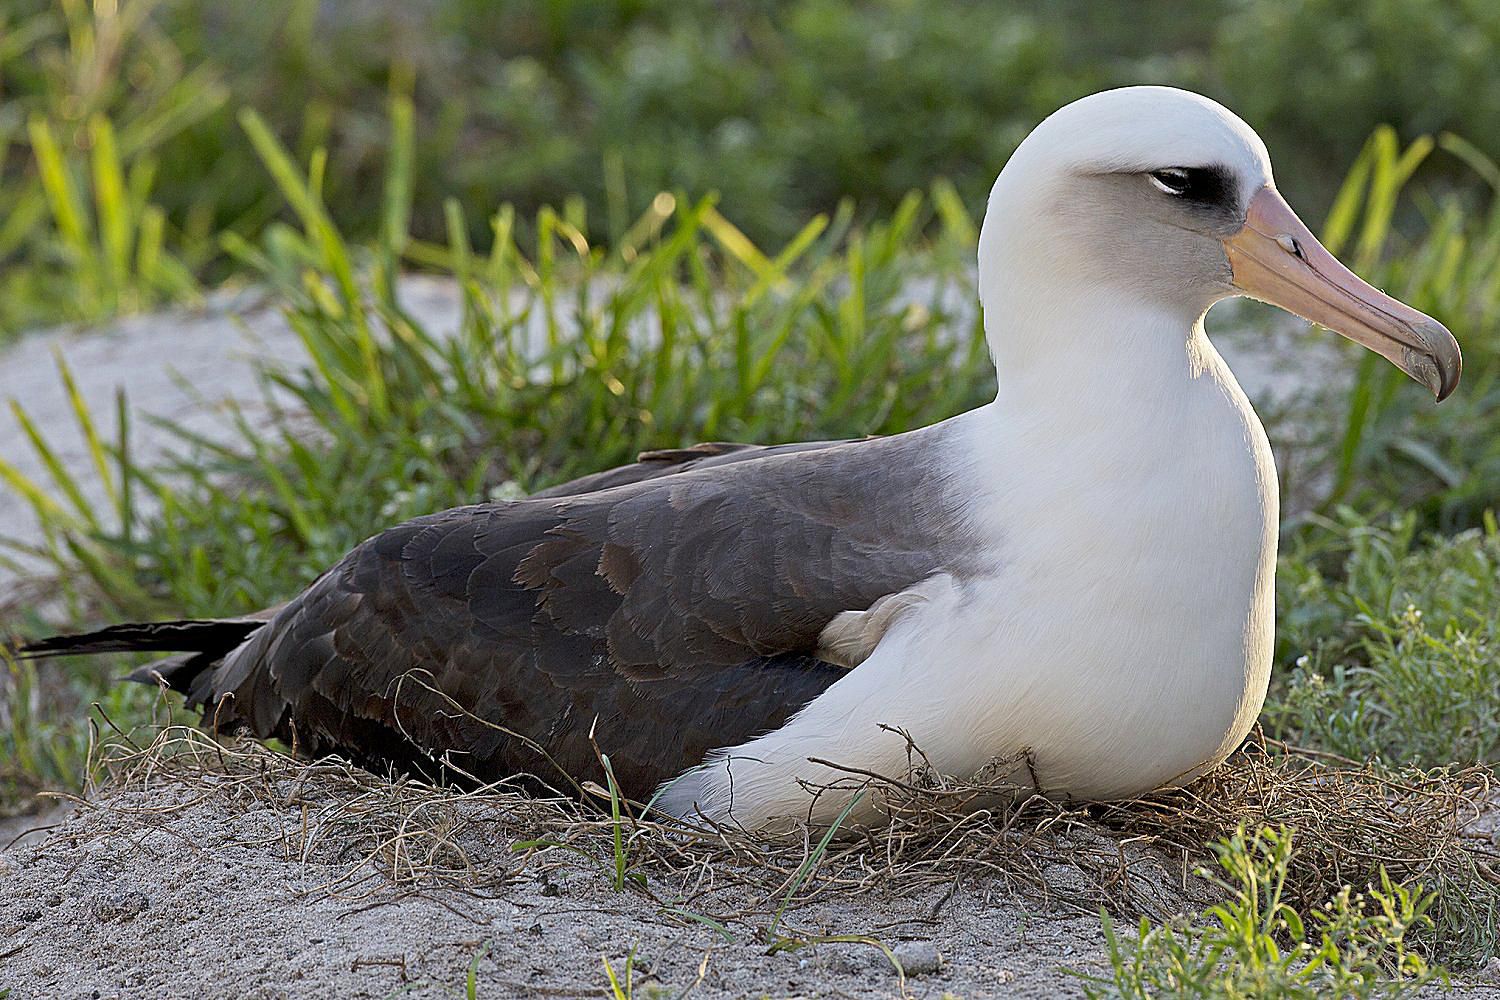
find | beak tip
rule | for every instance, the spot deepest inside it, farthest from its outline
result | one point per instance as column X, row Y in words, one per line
column 1445, row 360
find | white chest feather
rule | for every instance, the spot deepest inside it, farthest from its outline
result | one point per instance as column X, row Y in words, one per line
column 1132, row 615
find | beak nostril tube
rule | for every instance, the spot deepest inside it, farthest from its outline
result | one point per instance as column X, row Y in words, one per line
column 1290, row 245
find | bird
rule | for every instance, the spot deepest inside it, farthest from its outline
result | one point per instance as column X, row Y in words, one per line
column 1079, row 573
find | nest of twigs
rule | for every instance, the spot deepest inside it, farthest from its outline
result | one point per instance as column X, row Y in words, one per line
column 1134, row 858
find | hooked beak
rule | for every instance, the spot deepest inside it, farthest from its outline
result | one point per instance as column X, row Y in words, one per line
column 1276, row 259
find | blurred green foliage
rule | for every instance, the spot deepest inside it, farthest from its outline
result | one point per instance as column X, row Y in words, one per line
column 1390, row 448
column 89, row 101
column 782, row 107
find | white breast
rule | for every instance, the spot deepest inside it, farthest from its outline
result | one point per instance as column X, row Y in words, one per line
column 1126, row 640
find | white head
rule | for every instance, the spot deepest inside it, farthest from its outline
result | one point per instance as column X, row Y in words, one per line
column 1156, row 201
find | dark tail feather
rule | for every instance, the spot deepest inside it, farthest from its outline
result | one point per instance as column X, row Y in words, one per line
column 190, row 673
column 215, row 637
column 199, row 645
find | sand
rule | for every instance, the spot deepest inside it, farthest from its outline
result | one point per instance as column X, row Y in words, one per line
column 264, row 878
column 212, row 900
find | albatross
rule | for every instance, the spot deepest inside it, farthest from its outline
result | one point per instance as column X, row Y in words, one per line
column 1079, row 572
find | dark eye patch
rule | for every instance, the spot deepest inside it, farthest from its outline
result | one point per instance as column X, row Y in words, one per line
column 1209, row 186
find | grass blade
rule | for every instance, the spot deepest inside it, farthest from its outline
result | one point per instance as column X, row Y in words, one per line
column 112, row 205
column 62, row 195
column 61, row 477
column 85, row 421
column 812, row 860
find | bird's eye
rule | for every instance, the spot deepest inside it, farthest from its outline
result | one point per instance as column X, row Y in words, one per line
column 1172, row 180
column 1210, row 186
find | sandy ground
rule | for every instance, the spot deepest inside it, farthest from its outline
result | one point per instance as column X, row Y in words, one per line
column 212, row 886
column 126, row 902
column 123, row 900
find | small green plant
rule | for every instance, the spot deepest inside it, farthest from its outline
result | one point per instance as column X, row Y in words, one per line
column 1390, row 642
column 1255, row 945
column 471, row 979
column 623, row 870
column 622, row 985
column 619, row 990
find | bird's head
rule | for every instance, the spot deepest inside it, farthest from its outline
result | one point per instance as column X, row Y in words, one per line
column 1161, row 196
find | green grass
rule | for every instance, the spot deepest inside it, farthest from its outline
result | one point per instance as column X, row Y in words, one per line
column 471, row 980
column 90, row 100
column 1392, row 449
column 621, row 984
column 48, row 723
column 1255, row 945
column 1392, row 641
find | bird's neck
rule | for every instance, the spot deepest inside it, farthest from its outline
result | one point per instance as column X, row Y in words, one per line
column 1118, row 424
column 1114, row 404
column 1087, row 360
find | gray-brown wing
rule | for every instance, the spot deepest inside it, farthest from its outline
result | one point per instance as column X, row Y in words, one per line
column 677, row 614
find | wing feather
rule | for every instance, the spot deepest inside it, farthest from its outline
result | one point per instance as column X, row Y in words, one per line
column 677, row 606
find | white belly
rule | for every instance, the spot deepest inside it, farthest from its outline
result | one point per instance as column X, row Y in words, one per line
column 1124, row 639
